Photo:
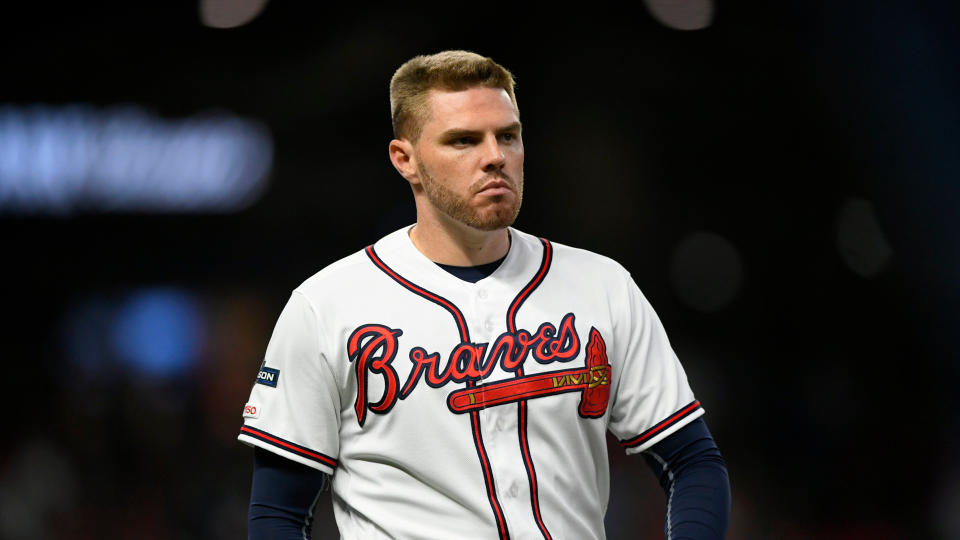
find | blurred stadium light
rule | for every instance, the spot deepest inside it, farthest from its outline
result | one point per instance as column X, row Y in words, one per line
column 682, row 14
column 59, row 160
column 152, row 332
column 706, row 271
column 860, row 239
column 157, row 332
column 38, row 483
column 230, row 13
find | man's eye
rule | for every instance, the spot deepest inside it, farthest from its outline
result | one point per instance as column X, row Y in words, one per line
column 462, row 141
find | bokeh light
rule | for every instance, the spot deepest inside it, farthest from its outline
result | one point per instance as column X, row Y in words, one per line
column 230, row 13
column 157, row 332
column 860, row 239
column 682, row 14
column 706, row 271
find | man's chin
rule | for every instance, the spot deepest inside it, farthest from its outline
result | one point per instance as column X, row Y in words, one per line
column 493, row 226
column 499, row 219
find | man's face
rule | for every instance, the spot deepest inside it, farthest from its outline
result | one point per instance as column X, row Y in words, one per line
column 470, row 157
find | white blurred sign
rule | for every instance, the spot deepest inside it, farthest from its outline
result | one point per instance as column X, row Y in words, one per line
column 60, row 160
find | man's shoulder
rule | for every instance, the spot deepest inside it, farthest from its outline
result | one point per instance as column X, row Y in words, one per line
column 345, row 275
column 344, row 272
column 582, row 260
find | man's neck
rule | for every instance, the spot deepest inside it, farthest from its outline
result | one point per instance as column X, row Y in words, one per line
column 458, row 244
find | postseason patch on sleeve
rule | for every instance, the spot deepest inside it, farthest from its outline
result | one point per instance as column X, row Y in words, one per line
column 268, row 376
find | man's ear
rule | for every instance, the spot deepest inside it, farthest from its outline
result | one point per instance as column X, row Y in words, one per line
column 404, row 160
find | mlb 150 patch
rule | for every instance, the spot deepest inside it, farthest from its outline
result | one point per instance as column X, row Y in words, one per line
column 268, row 376
column 251, row 411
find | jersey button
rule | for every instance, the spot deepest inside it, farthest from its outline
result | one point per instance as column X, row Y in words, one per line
column 482, row 293
column 488, row 325
column 514, row 489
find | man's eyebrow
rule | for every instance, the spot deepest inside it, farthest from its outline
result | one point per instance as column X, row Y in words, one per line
column 455, row 133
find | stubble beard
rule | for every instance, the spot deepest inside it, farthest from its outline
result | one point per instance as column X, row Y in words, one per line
column 497, row 214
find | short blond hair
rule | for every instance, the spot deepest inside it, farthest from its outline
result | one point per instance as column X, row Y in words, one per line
column 447, row 70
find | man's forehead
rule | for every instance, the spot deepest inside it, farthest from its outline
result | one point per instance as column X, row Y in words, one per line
column 464, row 104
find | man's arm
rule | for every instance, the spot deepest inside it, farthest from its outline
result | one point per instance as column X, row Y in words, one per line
column 694, row 477
column 282, row 497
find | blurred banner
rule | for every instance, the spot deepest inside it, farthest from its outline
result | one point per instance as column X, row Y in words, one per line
column 80, row 158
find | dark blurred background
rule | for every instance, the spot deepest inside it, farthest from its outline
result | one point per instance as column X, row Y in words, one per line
column 781, row 180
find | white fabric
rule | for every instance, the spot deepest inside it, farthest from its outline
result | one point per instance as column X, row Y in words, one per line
column 414, row 471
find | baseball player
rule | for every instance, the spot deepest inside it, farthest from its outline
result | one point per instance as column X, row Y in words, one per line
column 456, row 378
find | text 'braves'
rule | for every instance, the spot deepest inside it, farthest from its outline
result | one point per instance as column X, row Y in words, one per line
column 373, row 348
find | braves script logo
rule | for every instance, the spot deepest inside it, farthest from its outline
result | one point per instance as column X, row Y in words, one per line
column 373, row 348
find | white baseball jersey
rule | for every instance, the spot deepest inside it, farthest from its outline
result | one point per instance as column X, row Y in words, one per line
column 448, row 409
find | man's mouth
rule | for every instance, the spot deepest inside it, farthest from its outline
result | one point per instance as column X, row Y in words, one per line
column 497, row 186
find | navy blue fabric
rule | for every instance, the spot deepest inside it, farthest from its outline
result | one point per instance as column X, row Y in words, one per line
column 473, row 274
column 282, row 497
column 694, row 477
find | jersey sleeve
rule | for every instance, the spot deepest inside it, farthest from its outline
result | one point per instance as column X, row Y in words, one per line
column 294, row 407
column 652, row 398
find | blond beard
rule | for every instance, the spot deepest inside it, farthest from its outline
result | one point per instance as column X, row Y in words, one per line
column 495, row 216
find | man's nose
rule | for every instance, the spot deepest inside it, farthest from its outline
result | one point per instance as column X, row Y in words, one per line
column 493, row 156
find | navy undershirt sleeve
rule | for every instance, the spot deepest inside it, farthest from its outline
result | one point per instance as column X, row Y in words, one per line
column 694, row 477
column 282, row 498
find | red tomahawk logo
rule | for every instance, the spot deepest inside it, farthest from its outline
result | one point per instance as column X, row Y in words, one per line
column 593, row 380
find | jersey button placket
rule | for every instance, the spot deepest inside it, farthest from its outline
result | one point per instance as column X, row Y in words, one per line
column 499, row 443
